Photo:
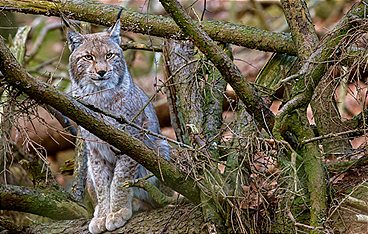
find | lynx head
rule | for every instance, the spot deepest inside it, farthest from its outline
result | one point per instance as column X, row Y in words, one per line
column 97, row 61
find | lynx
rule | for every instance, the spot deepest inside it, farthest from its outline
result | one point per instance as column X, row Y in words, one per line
column 100, row 77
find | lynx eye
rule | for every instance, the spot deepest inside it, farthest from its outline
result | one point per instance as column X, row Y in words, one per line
column 88, row 57
column 109, row 55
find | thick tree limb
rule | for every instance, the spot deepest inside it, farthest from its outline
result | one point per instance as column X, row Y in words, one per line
column 196, row 81
column 48, row 203
column 16, row 76
column 305, row 37
column 302, row 29
column 98, row 13
column 309, row 77
column 325, row 112
column 179, row 219
column 359, row 204
column 254, row 104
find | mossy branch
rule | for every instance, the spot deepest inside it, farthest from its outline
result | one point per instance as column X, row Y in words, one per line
column 340, row 167
column 54, row 204
column 180, row 219
column 356, row 203
column 154, row 25
column 301, row 26
column 16, row 76
column 253, row 102
column 305, row 37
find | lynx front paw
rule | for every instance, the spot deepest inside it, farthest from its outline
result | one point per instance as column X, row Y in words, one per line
column 118, row 219
column 97, row 225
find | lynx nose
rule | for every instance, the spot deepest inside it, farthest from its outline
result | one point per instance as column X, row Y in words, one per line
column 101, row 73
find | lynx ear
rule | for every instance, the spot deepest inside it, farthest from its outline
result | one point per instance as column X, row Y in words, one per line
column 115, row 29
column 75, row 39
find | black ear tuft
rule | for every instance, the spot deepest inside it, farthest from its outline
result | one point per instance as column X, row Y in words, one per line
column 75, row 39
column 119, row 14
column 115, row 29
column 65, row 21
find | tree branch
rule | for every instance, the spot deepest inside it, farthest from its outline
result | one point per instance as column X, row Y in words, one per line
column 140, row 46
column 305, row 37
column 254, row 104
column 302, row 29
column 316, row 66
column 54, row 204
column 16, row 76
column 80, row 169
column 180, row 219
column 98, row 13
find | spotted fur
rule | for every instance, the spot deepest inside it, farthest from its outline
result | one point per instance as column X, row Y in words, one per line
column 100, row 77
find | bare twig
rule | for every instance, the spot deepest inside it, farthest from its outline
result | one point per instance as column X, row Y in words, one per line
column 332, row 135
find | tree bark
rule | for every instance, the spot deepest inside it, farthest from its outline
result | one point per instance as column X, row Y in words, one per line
column 193, row 77
column 292, row 116
column 50, row 203
column 181, row 219
column 306, row 39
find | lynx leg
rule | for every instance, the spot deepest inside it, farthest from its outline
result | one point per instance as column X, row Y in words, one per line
column 121, row 198
column 101, row 174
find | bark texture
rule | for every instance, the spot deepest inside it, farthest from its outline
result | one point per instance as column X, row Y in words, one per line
column 50, row 203
column 193, row 77
column 182, row 219
column 305, row 37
